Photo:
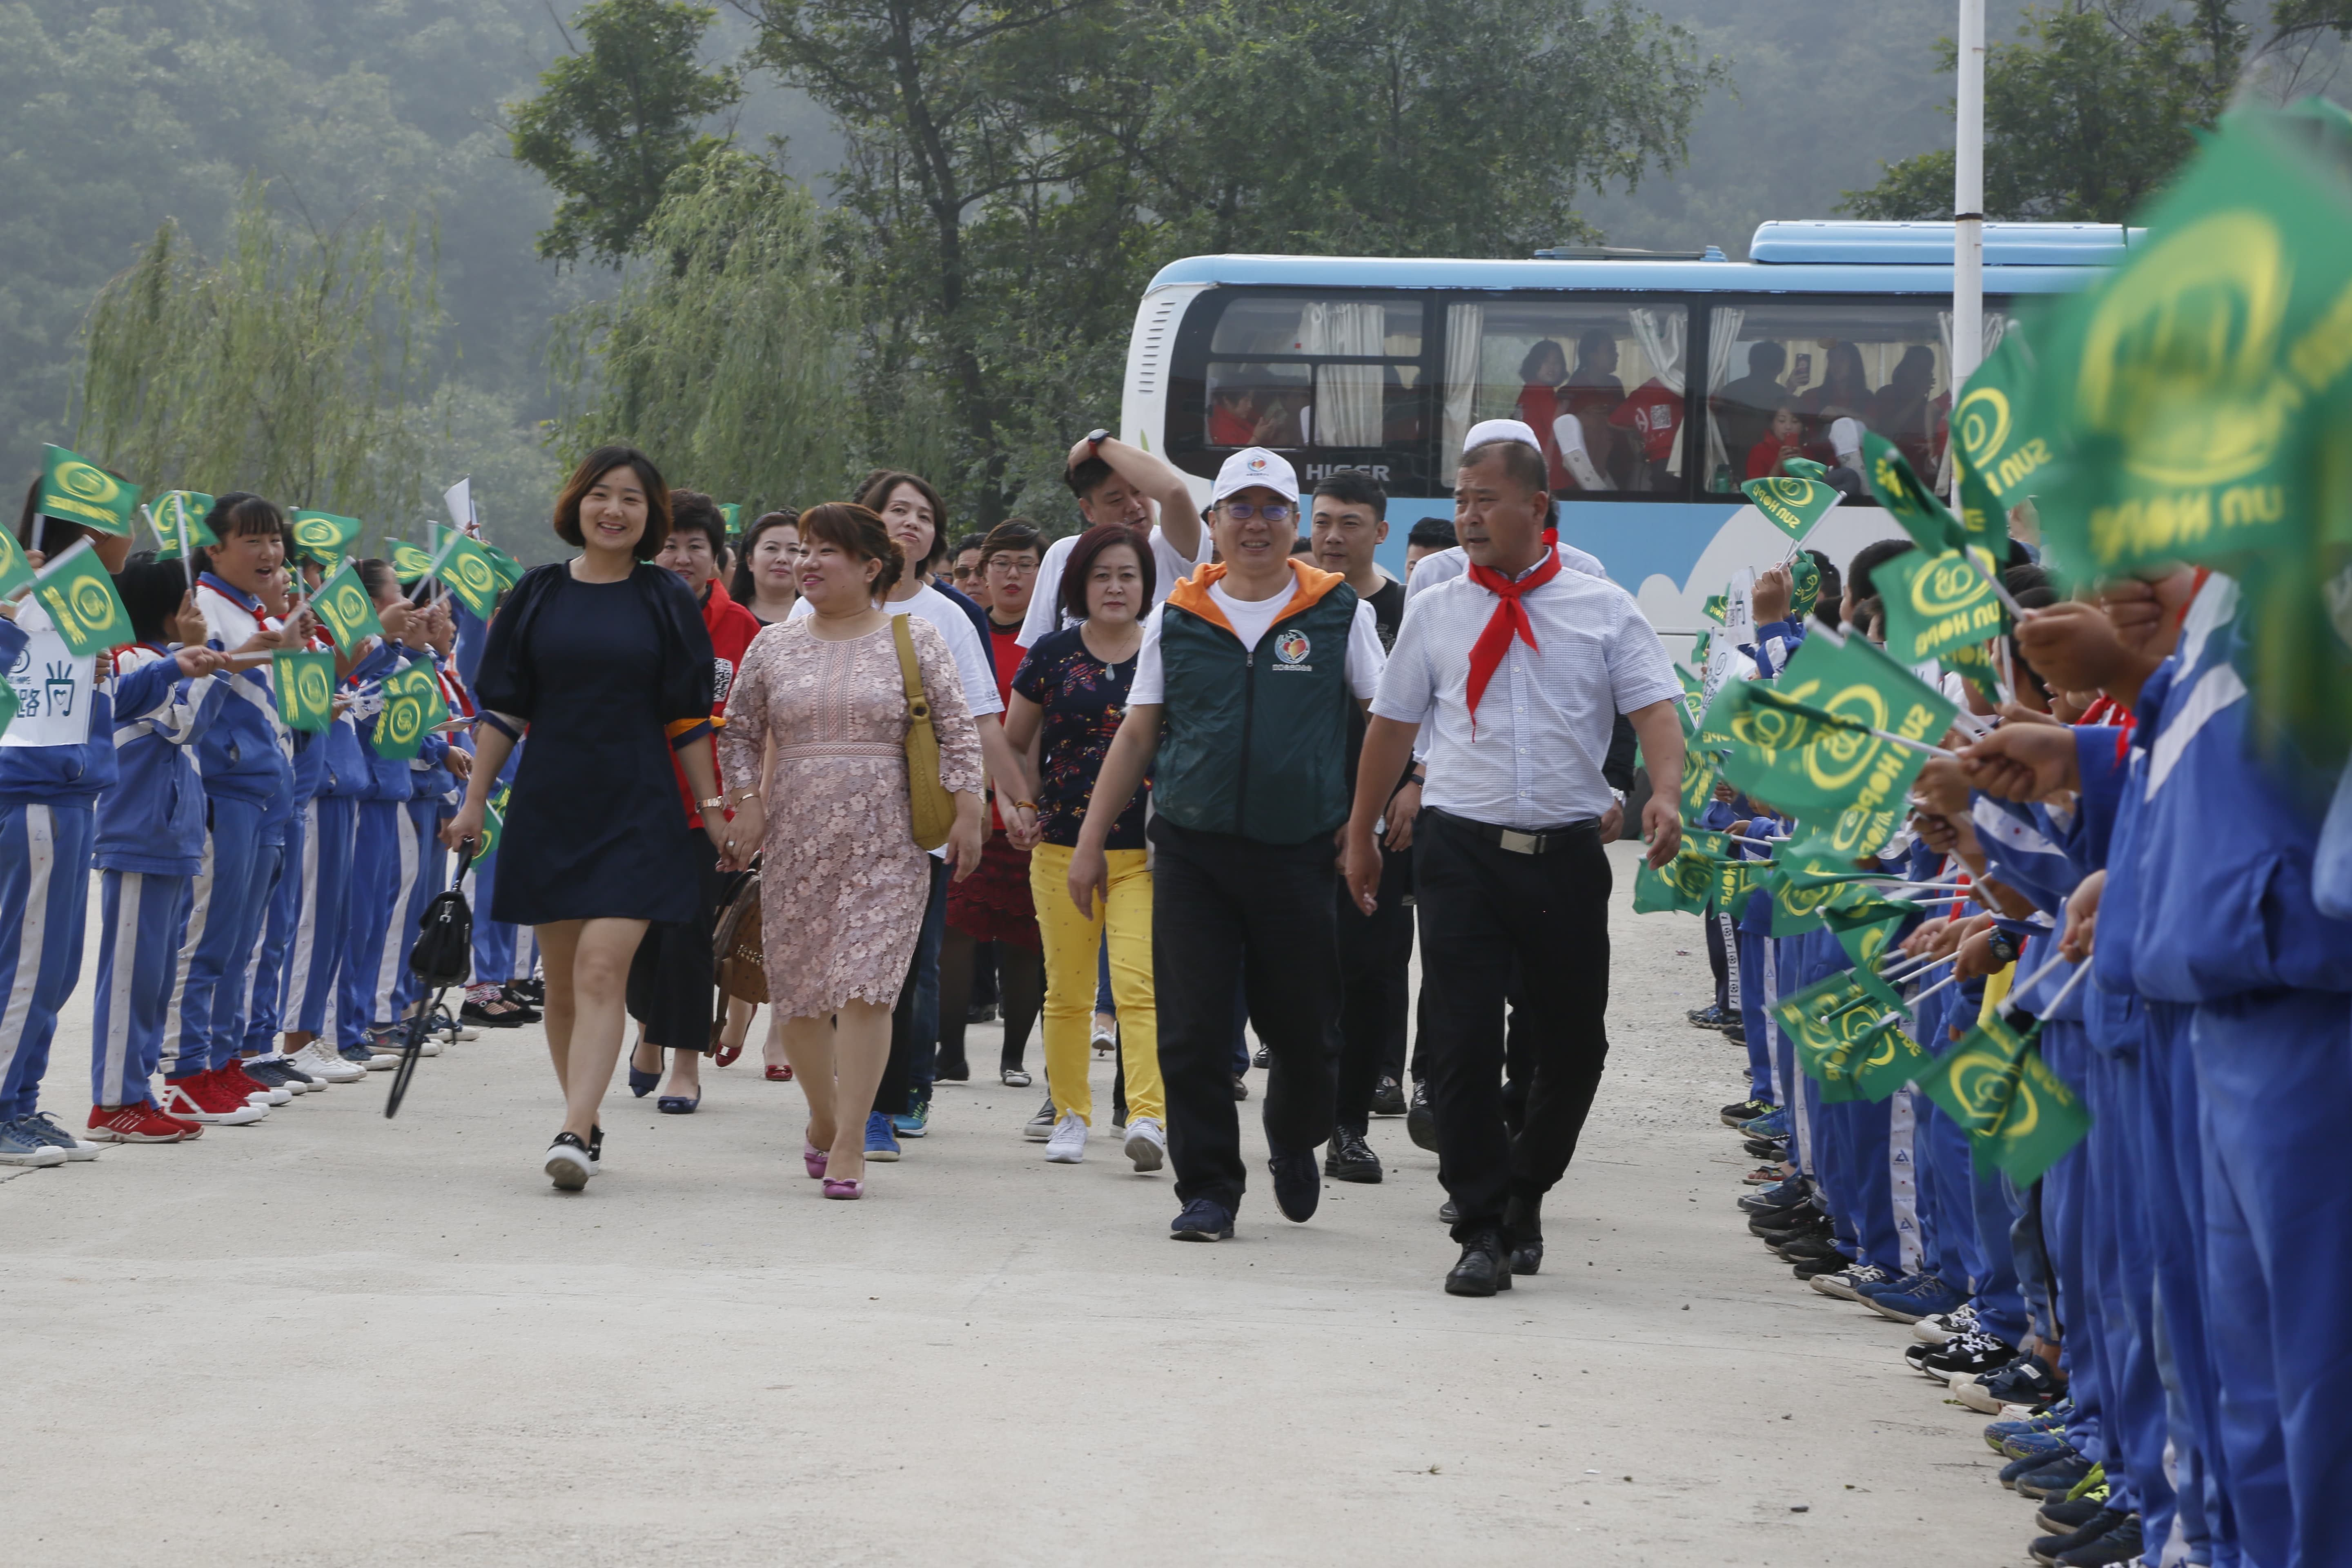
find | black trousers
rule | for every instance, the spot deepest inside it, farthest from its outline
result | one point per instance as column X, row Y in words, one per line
column 1492, row 922
column 672, row 983
column 1222, row 908
column 1375, row 954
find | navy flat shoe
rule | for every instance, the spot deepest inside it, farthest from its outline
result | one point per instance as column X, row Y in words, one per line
column 676, row 1104
column 641, row 1084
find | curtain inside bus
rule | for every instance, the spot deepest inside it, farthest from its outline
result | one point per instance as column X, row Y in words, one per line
column 1348, row 397
column 1600, row 381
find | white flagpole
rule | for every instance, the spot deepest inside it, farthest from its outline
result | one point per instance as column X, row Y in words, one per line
column 1967, row 198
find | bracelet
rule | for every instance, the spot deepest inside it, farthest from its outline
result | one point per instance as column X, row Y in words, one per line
column 1024, row 806
column 713, row 803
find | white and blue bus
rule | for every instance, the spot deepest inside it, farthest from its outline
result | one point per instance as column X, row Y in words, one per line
column 1677, row 376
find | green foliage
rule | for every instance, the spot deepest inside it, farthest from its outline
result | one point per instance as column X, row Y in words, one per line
column 2086, row 118
column 732, row 357
column 614, row 122
column 291, row 366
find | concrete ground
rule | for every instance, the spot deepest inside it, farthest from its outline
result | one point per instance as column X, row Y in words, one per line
column 331, row 1338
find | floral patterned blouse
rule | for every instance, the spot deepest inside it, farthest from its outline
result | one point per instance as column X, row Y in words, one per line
column 1083, row 700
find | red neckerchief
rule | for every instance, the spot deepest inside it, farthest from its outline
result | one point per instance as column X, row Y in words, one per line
column 1509, row 619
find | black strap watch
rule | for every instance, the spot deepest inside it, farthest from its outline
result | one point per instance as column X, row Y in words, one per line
column 1095, row 438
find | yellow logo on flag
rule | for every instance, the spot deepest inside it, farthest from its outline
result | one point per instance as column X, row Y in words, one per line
column 93, row 484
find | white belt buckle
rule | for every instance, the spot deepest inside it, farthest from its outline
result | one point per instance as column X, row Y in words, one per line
column 1520, row 843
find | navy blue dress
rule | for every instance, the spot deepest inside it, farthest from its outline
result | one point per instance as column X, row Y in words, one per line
column 599, row 673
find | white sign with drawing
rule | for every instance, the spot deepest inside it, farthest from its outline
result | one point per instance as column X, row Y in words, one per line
column 53, row 688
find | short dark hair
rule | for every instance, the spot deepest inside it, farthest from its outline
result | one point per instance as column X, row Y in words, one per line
column 1087, row 476
column 739, row 586
column 1351, row 487
column 1869, row 559
column 1523, row 464
column 1013, row 534
column 859, row 531
column 1826, row 604
column 1767, row 358
column 969, row 542
column 594, row 467
column 1432, row 533
column 241, row 514
column 378, row 578
column 151, row 591
column 693, row 509
column 1081, row 564
column 875, row 494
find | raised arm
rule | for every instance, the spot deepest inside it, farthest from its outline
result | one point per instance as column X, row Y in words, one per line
column 1158, row 480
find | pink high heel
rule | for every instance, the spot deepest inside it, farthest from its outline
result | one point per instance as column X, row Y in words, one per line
column 814, row 1158
column 849, row 1188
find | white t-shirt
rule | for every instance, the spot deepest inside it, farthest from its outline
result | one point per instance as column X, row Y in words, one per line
column 973, row 664
column 1045, row 616
column 1251, row 619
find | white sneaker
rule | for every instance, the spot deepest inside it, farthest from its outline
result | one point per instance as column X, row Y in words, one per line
column 1146, row 1145
column 44, row 1125
column 326, row 1066
column 567, row 1165
column 1938, row 1327
column 1105, row 1033
column 382, row 1061
column 1067, row 1146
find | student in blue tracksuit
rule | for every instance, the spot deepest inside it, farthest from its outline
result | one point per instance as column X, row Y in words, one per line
column 246, row 785
column 329, row 833
column 150, row 844
column 384, row 858
column 434, row 776
column 56, row 755
column 281, row 848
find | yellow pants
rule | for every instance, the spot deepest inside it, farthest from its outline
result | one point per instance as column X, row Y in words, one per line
column 1071, row 942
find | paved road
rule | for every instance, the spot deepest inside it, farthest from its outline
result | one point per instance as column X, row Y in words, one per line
column 328, row 1339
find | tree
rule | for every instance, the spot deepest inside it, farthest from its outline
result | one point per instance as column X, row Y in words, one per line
column 293, row 366
column 2087, row 118
column 612, row 123
column 733, row 356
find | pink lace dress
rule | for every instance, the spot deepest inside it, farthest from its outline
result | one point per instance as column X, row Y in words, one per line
column 842, row 886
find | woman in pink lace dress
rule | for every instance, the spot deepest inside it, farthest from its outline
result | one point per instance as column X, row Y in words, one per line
column 843, row 887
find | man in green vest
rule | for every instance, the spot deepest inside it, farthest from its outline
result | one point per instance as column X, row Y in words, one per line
column 1239, row 709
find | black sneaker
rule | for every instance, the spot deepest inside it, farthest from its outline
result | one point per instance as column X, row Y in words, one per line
column 533, row 993
column 1203, row 1220
column 1241, row 1086
column 1707, row 1017
column 2065, row 1516
column 2123, row 1543
column 1421, row 1122
column 1388, row 1098
column 1809, row 1249
column 1483, row 1269
column 979, row 1013
column 957, row 1071
column 526, row 1008
column 1741, row 1112
column 2102, row 1520
column 1811, row 1267
column 1350, row 1159
column 1297, row 1185
column 1967, row 1355
column 1795, row 1217
column 1736, row 1032
column 477, row 1013
column 296, row 1078
column 1263, row 1058
column 1770, row 1149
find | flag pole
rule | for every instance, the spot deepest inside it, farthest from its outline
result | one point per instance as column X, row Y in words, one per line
column 1968, row 198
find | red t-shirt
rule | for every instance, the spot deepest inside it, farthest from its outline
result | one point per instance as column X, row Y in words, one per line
column 732, row 628
column 1653, row 413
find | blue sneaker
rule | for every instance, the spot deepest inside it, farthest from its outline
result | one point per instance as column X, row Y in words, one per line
column 1929, row 1295
column 1996, row 1433
column 2043, row 1446
column 881, row 1142
column 1786, row 1194
column 1203, row 1219
column 910, row 1125
column 1773, row 1124
column 23, row 1145
column 2049, row 1478
column 44, row 1126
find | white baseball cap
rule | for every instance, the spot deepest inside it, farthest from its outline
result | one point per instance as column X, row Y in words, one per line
column 1255, row 465
column 1487, row 430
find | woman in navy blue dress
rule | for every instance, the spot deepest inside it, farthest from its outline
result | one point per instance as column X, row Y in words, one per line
column 605, row 661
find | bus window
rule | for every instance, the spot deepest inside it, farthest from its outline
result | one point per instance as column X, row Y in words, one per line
column 1600, row 383
column 1793, row 378
column 1296, row 373
column 1259, row 404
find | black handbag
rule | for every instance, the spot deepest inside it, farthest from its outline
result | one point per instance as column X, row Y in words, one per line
column 443, row 957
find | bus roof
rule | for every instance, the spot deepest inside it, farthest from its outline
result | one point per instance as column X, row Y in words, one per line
column 1795, row 257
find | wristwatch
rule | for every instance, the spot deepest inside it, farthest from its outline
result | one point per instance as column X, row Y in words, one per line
column 1095, row 438
column 713, row 803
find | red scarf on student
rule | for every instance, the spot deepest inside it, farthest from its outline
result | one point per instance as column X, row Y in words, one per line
column 1509, row 620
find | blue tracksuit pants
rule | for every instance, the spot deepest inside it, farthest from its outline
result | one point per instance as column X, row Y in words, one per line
column 383, row 876
column 432, row 877
column 323, row 911
column 139, row 921
column 44, row 901
column 264, row 991
column 225, row 908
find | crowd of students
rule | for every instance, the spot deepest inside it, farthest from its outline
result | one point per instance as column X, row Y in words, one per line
column 2152, row 1323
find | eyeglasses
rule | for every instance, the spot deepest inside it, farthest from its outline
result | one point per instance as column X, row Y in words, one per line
column 1273, row 511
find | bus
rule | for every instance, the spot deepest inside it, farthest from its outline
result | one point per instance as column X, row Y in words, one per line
column 1677, row 375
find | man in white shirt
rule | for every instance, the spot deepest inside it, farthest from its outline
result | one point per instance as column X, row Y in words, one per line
column 1119, row 483
column 1514, row 676
column 1445, row 565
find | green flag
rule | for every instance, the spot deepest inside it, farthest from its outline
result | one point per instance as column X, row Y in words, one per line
column 1863, row 924
column 1801, row 742
column 2181, row 390
column 2042, row 1121
column 1680, row 884
column 8, row 705
column 1700, row 775
column 83, row 493
column 305, row 683
column 409, row 563
column 412, row 706
column 1974, row 665
column 1713, row 608
column 1822, row 1018
column 1996, row 447
column 509, row 569
column 81, row 603
column 324, row 537
column 179, row 520
column 1912, row 505
column 1972, row 1081
column 494, row 822
column 1804, row 468
column 1890, row 1059
column 1793, row 506
column 468, row 569
column 344, row 608
column 1804, row 586
column 1936, row 604
column 733, row 511
column 16, row 572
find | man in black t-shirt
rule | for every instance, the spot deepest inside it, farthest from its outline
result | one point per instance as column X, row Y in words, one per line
column 1348, row 522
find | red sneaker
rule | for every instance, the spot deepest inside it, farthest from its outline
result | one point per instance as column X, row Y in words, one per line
column 139, row 1124
column 201, row 1097
column 233, row 1074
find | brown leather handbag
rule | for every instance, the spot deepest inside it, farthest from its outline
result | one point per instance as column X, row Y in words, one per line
column 735, row 949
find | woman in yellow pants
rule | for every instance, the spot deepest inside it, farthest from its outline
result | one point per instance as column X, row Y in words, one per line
column 1072, row 691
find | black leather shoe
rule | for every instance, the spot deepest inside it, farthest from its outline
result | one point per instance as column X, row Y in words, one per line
column 1297, row 1185
column 1350, row 1159
column 1388, row 1098
column 1421, row 1122
column 1263, row 1058
column 1241, row 1086
column 1482, row 1270
column 1523, row 1232
column 1448, row 1212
